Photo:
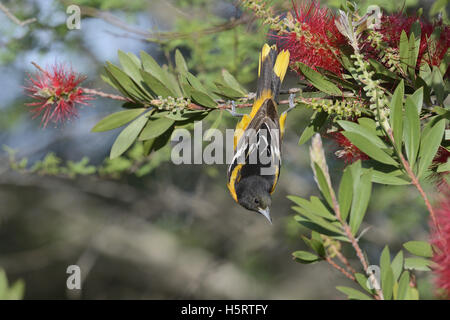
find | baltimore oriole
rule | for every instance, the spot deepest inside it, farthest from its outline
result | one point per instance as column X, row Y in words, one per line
column 254, row 170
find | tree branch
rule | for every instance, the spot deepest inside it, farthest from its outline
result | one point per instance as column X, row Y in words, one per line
column 13, row 18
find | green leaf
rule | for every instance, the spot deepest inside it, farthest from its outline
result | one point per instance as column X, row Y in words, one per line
column 174, row 86
column 404, row 51
column 412, row 131
column 233, row 83
column 318, row 80
column 414, row 44
column 345, row 193
column 371, row 125
column 416, row 263
column 333, row 227
column 387, row 275
column 123, row 80
column 180, row 62
column 226, row 91
column 429, row 145
column 155, row 128
column 353, row 293
column 362, row 281
column 397, row 265
column 305, row 257
column 203, row 99
column 396, row 114
column 419, row 248
column 403, row 286
column 159, row 88
column 437, row 83
column 151, row 66
column 318, row 119
column 315, row 227
column 417, row 99
column 316, row 245
column 363, row 131
column 127, row 137
column 315, row 206
column 133, row 71
column 369, row 148
column 361, row 198
column 387, row 178
column 323, row 184
column 117, row 119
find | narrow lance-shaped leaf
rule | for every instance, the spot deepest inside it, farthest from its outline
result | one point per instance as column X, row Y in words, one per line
column 404, row 51
column 353, row 293
column 318, row 80
column 387, row 276
column 345, row 193
column 305, row 257
column 180, row 62
column 369, row 148
column 419, row 248
column 360, row 202
column 155, row 128
column 133, row 71
column 127, row 137
column 322, row 183
column 159, row 88
column 429, row 145
column 397, row 265
column 232, row 82
column 403, row 285
column 363, row 131
column 117, row 119
column 411, row 133
column 125, row 82
column 396, row 115
column 417, row 263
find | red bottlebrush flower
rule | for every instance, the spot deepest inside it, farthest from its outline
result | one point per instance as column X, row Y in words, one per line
column 432, row 52
column 441, row 243
column 349, row 152
column 314, row 39
column 57, row 93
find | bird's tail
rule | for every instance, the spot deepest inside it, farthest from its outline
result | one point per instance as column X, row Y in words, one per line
column 271, row 71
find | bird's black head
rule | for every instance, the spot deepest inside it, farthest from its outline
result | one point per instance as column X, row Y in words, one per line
column 253, row 193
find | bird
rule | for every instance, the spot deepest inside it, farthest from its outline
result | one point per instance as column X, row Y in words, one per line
column 255, row 167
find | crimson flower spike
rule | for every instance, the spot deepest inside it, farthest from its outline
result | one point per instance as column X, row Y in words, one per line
column 57, row 94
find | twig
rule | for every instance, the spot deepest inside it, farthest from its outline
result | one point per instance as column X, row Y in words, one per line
column 318, row 157
column 343, row 259
column 160, row 36
column 13, row 18
column 339, row 268
column 105, row 95
column 354, row 242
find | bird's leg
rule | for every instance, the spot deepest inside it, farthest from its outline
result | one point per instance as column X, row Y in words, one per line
column 291, row 102
column 233, row 110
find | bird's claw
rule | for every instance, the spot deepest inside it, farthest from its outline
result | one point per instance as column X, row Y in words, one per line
column 292, row 104
column 233, row 110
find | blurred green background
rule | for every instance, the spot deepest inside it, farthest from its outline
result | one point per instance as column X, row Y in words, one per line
column 166, row 231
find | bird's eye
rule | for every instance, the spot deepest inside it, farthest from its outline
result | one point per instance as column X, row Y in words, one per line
column 256, row 201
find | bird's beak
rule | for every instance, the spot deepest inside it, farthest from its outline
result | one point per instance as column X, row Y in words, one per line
column 266, row 213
